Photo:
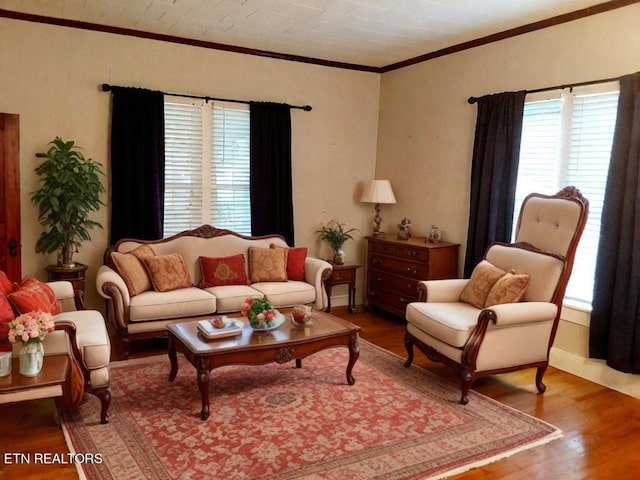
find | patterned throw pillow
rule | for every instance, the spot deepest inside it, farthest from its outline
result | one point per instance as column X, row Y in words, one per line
column 218, row 271
column 483, row 278
column 132, row 270
column 6, row 285
column 168, row 272
column 34, row 296
column 296, row 257
column 509, row 289
column 6, row 316
column 267, row 264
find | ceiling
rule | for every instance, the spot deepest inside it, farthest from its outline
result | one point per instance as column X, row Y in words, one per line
column 374, row 33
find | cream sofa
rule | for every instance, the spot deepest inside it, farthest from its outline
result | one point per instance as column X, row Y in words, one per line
column 146, row 314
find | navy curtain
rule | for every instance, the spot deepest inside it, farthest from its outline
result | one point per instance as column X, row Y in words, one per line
column 494, row 173
column 137, row 164
column 270, row 177
column 614, row 333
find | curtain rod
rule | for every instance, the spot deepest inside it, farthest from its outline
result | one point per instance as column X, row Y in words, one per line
column 108, row 88
column 473, row 100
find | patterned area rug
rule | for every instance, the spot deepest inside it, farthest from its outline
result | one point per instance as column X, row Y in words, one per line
column 279, row 422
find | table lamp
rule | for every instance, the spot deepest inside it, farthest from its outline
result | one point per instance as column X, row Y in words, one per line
column 377, row 191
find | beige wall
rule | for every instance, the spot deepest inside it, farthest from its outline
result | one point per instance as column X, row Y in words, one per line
column 425, row 139
column 50, row 76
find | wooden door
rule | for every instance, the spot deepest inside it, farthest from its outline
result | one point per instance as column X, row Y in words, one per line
column 10, row 196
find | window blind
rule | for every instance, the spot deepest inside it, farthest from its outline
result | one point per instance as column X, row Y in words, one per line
column 567, row 141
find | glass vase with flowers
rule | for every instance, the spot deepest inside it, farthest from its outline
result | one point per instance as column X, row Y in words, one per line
column 30, row 329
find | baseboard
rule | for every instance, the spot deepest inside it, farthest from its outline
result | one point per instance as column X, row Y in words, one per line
column 596, row 371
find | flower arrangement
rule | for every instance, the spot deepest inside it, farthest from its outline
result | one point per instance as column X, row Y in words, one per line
column 335, row 233
column 30, row 327
column 260, row 313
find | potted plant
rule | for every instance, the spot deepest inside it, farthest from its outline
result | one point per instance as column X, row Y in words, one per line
column 70, row 190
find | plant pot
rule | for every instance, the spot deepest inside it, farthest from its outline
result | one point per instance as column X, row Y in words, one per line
column 338, row 256
column 65, row 257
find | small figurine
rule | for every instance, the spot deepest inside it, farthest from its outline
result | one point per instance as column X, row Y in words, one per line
column 434, row 235
column 404, row 229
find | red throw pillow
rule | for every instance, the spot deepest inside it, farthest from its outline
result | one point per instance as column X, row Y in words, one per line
column 296, row 257
column 34, row 296
column 6, row 316
column 218, row 271
column 6, row 285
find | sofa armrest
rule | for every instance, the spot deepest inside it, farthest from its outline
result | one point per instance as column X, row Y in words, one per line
column 63, row 290
column 111, row 286
column 316, row 271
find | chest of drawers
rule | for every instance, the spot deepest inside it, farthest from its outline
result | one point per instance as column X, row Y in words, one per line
column 394, row 268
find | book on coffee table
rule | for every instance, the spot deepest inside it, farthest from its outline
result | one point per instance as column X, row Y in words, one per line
column 208, row 331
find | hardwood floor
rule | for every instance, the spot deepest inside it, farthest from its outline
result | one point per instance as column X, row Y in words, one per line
column 601, row 426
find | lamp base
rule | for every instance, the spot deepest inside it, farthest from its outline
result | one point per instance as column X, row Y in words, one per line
column 378, row 235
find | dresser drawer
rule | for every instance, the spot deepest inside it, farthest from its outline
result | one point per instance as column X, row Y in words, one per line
column 401, row 251
column 402, row 285
column 392, row 301
column 399, row 267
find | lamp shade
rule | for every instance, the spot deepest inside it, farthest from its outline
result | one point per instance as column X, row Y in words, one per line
column 378, row 191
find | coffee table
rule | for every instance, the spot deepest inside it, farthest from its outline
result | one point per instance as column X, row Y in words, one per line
column 281, row 345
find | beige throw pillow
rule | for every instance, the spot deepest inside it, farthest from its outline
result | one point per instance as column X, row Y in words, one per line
column 267, row 265
column 483, row 278
column 168, row 272
column 132, row 270
column 509, row 289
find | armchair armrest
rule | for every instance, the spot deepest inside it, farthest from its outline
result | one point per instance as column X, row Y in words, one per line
column 442, row 291
column 316, row 271
column 522, row 312
column 111, row 286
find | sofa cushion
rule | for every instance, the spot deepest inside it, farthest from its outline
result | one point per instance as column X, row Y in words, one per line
column 168, row 272
column 34, row 296
column 182, row 302
column 132, row 270
column 286, row 294
column 296, row 257
column 483, row 277
column 508, row 289
column 231, row 298
column 267, row 264
column 6, row 285
column 218, row 271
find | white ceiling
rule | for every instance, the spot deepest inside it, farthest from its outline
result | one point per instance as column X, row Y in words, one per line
column 374, row 33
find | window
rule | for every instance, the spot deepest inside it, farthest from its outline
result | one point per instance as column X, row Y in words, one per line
column 207, row 166
column 566, row 140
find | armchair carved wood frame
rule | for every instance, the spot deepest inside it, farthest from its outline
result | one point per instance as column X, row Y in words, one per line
column 511, row 336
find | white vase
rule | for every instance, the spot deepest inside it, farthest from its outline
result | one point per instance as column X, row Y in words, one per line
column 31, row 356
column 338, row 256
column 5, row 363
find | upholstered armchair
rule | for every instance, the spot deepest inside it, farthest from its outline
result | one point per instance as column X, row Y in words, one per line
column 505, row 317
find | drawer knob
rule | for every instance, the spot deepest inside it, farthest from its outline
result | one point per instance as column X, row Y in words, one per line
column 411, row 253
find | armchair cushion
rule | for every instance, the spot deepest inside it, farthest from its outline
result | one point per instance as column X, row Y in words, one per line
column 452, row 323
column 508, row 289
column 6, row 285
column 483, row 278
column 33, row 295
column 168, row 272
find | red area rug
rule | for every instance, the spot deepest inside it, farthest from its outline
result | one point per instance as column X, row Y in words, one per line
column 278, row 422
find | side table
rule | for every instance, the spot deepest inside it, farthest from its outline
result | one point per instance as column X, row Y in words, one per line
column 76, row 275
column 343, row 274
column 47, row 384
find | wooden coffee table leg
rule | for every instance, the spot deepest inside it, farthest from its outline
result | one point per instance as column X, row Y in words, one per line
column 354, row 354
column 203, row 386
column 173, row 359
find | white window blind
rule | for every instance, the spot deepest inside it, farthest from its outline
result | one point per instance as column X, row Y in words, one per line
column 567, row 141
column 207, row 166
